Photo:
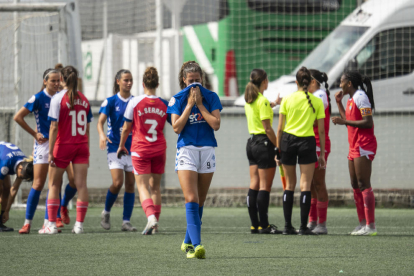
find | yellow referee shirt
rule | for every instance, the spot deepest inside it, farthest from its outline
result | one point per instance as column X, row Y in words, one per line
column 299, row 114
column 256, row 112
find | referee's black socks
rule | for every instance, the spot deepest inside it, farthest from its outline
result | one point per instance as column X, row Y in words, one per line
column 263, row 203
column 287, row 207
column 252, row 207
column 305, row 205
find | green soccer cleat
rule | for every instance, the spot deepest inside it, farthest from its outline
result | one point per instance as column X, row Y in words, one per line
column 185, row 247
column 199, row 252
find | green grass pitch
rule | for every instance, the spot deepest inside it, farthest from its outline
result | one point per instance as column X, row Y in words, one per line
column 231, row 249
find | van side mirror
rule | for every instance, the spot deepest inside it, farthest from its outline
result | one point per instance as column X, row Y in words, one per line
column 351, row 65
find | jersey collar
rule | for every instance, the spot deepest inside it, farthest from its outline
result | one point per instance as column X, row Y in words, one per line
column 123, row 99
column 47, row 94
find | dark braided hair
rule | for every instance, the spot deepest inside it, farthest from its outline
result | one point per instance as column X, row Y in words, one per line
column 118, row 77
column 321, row 77
column 303, row 77
column 357, row 80
column 257, row 76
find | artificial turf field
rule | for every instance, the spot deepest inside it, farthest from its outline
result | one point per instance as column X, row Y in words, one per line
column 231, row 249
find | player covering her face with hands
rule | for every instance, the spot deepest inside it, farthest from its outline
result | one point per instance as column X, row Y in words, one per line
column 195, row 115
column 362, row 145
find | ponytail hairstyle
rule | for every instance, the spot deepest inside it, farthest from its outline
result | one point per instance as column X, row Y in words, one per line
column 59, row 66
column 357, row 80
column 46, row 76
column 189, row 67
column 257, row 76
column 321, row 77
column 118, row 76
column 27, row 168
column 303, row 77
column 70, row 76
column 150, row 78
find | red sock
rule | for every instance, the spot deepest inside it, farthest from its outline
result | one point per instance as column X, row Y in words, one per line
column 148, row 206
column 359, row 202
column 322, row 210
column 369, row 204
column 313, row 213
column 157, row 209
column 81, row 209
column 52, row 209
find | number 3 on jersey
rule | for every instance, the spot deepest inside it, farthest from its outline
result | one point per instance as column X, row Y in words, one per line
column 152, row 130
column 79, row 119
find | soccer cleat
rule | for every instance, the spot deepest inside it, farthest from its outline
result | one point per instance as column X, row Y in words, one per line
column 312, row 225
column 320, row 230
column 289, row 231
column 51, row 229
column 306, row 232
column 25, row 229
column 64, row 213
column 254, row 230
column 77, row 229
column 271, row 229
column 105, row 221
column 186, row 247
column 4, row 228
column 366, row 231
column 359, row 227
column 152, row 223
column 128, row 227
column 59, row 223
column 199, row 252
column 155, row 230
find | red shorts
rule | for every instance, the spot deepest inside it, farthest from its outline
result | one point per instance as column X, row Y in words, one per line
column 318, row 153
column 359, row 152
column 75, row 153
column 155, row 164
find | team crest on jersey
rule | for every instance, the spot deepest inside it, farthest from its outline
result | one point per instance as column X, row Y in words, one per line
column 32, row 99
column 350, row 106
column 172, row 102
column 117, row 108
column 4, row 170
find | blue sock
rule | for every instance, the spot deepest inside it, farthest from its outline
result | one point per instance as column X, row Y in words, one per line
column 46, row 214
column 110, row 200
column 129, row 199
column 193, row 223
column 69, row 194
column 32, row 202
column 187, row 238
column 60, row 199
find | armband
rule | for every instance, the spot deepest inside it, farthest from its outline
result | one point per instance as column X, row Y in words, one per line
column 277, row 153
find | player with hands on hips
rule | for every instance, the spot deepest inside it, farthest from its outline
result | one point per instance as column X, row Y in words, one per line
column 112, row 111
column 362, row 145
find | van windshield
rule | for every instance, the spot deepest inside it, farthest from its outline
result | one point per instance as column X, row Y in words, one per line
column 327, row 54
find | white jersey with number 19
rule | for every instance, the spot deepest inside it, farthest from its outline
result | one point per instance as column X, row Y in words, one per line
column 72, row 123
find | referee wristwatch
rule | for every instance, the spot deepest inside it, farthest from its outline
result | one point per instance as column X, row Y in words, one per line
column 277, row 153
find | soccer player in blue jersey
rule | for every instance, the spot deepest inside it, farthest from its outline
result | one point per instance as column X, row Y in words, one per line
column 112, row 110
column 195, row 115
column 39, row 104
column 12, row 161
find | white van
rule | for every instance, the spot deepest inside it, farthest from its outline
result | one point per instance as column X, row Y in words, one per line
column 378, row 40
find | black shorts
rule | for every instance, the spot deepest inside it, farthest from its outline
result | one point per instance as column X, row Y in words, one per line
column 261, row 152
column 301, row 150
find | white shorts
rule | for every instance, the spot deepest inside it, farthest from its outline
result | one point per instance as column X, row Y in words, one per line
column 41, row 153
column 201, row 160
column 125, row 163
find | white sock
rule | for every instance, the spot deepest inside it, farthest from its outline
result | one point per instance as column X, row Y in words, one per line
column 125, row 221
column 46, row 223
column 79, row 224
column 27, row 221
column 52, row 224
column 151, row 217
column 105, row 212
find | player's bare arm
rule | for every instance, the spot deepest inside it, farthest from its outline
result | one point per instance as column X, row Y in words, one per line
column 213, row 118
column 102, row 136
column 321, row 131
column 52, row 139
column 19, row 118
column 280, row 128
column 126, row 129
column 12, row 196
column 178, row 122
column 269, row 131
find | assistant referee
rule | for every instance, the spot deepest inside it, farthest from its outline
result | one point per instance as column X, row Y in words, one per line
column 296, row 140
column 260, row 150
